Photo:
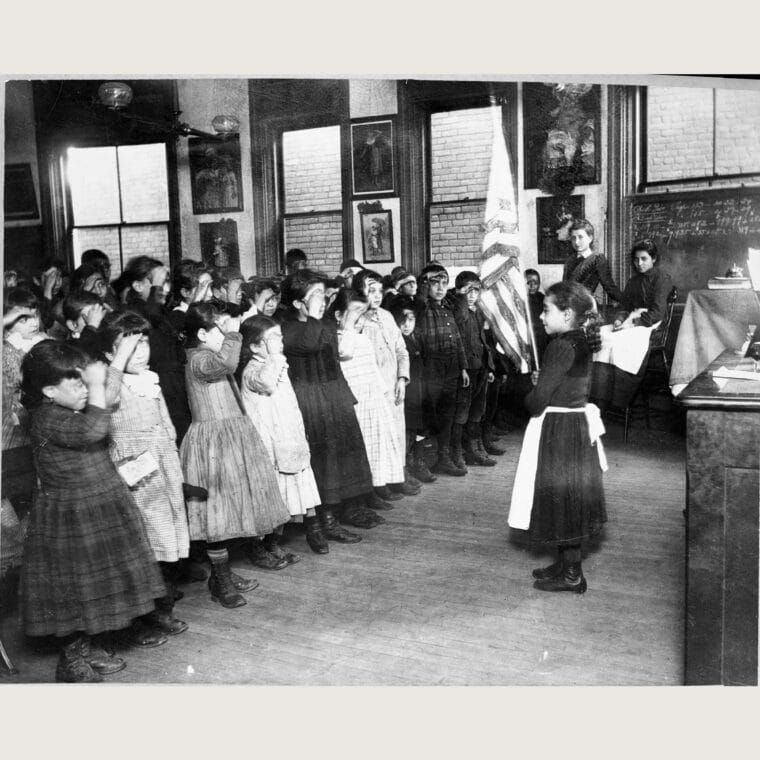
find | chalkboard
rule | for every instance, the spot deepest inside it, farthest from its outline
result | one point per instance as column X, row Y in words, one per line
column 686, row 220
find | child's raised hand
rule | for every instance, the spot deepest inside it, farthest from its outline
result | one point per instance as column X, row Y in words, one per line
column 227, row 323
column 124, row 350
column 93, row 315
column 94, row 374
column 465, row 379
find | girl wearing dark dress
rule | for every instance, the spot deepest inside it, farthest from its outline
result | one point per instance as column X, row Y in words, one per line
column 587, row 267
column 558, row 495
column 646, row 295
column 88, row 566
column 338, row 457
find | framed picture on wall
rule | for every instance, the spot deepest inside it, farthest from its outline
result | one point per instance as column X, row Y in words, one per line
column 553, row 219
column 377, row 236
column 20, row 196
column 219, row 243
column 215, row 175
column 561, row 124
column 372, row 157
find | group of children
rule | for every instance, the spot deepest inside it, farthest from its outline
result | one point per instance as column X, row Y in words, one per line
column 195, row 411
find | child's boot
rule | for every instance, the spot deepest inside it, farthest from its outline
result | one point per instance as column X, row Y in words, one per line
column 419, row 466
column 72, row 664
column 332, row 530
column 258, row 555
column 489, row 444
column 457, row 455
column 315, row 538
column 570, row 579
column 220, row 581
column 446, row 466
column 162, row 618
column 272, row 545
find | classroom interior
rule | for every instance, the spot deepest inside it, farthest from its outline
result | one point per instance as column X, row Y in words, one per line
column 238, row 171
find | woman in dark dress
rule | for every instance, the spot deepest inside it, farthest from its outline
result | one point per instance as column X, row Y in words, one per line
column 338, row 456
column 586, row 267
column 645, row 297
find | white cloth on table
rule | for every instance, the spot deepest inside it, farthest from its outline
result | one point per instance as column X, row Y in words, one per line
column 523, row 488
column 625, row 349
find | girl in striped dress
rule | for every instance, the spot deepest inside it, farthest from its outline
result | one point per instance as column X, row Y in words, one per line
column 223, row 453
column 88, row 566
column 374, row 408
column 140, row 422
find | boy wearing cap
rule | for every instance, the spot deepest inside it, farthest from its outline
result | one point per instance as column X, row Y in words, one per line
column 466, row 437
column 444, row 360
column 403, row 283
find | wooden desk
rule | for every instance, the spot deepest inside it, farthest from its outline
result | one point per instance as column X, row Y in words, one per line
column 723, row 494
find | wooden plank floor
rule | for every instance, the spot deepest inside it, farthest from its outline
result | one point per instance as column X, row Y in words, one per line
column 442, row 594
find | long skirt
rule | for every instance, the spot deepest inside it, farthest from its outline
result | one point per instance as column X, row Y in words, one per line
column 227, row 457
column 88, row 565
column 568, row 501
column 338, row 456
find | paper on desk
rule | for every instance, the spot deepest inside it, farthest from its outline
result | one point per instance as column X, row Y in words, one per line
column 753, row 267
column 735, row 374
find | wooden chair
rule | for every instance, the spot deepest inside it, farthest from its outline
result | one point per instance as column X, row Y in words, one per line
column 642, row 385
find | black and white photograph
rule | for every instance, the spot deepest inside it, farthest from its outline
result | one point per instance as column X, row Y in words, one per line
column 372, row 157
column 522, row 451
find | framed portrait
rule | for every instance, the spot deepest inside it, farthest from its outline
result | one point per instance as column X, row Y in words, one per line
column 372, row 157
column 20, row 195
column 553, row 219
column 561, row 123
column 219, row 243
column 215, row 175
column 377, row 236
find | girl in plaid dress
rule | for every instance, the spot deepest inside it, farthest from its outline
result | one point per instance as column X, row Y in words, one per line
column 373, row 402
column 88, row 567
column 223, row 453
column 140, row 422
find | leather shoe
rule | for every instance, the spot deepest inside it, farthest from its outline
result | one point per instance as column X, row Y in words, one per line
column 386, row 494
column 374, row 501
column 141, row 635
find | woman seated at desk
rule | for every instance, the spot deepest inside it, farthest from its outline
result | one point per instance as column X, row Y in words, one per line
column 645, row 297
column 585, row 266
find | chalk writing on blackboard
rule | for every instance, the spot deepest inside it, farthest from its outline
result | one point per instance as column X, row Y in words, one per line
column 687, row 222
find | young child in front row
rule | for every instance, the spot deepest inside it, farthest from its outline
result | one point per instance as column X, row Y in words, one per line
column 557, row 494
column 223, row 453
column 444, row 361
column 272, row 405
column 404, row 313
column 140, row 422
column 88, row 565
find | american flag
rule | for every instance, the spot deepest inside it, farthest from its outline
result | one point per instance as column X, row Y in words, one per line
column 504, row 297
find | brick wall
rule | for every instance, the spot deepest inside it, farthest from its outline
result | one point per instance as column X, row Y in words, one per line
column 456, row 233
column 737, row 130
column 311, row 160
column 680, row 132
column 146, row 240
column 320, row 237
column 460, row 145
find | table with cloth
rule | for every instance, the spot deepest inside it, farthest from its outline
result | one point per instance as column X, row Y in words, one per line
column 619, row 365
column 713, row 321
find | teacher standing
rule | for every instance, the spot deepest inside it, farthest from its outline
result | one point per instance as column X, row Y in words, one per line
column 586, row 267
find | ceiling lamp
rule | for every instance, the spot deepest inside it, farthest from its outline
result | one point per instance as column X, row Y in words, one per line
column 116, row 96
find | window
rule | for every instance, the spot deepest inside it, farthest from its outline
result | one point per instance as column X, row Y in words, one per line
column 312, row 210
column 460, row 160
column 699, row 135
column 118, row 202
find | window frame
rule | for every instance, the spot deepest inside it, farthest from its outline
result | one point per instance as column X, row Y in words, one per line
column 279, row 179
column 68, row 207
column 643, row 184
